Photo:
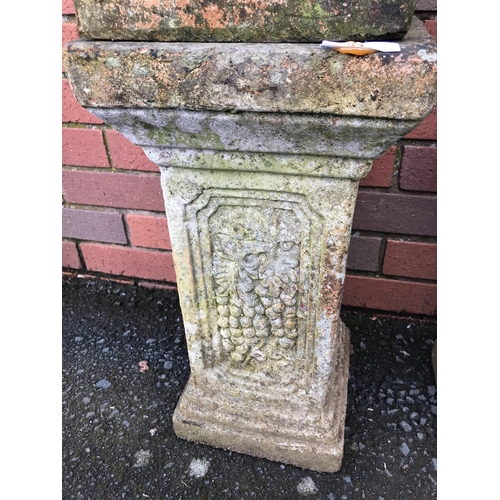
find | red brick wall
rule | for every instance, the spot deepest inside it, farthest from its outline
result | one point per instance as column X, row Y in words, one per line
column 114, row 224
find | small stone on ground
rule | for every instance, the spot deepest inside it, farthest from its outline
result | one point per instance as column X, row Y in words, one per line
column 307, row 486
column 198, row 467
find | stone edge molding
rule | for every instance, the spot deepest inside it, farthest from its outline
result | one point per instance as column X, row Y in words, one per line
column 261, row 148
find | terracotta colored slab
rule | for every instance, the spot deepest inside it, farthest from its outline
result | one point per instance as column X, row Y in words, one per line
column 243, row 20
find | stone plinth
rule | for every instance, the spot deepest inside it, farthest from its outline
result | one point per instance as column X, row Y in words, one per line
column 244, row 20
column 261, row 148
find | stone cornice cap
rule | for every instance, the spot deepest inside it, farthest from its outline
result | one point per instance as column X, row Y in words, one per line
column 283, row 78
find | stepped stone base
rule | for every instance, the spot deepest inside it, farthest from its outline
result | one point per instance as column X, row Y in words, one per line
column 305, row 435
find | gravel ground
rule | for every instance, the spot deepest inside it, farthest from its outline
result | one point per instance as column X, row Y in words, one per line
column 125, row 365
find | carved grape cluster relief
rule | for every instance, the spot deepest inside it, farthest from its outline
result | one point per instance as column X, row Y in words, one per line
column 255, row 263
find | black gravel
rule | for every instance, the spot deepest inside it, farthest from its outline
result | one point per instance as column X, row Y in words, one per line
column 124, row 367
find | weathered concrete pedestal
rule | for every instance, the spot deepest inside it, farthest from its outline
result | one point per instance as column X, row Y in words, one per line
column 261, row 149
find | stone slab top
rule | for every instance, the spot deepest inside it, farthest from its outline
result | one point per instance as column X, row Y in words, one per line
column 243, row 20
column 272, row 78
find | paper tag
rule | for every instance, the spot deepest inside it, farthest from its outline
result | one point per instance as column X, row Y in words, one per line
column 378, row 46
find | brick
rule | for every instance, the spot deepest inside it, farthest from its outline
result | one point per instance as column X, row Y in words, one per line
column 431, row 26
column 381, row 172
column 426, row 5
column 141, row 192
column 83, row 148
column 126, row 155
column 155, row 286
column 131, row 262
column 419, row 169
column 395, row 213
column 148, row 231
column 67, row 7
column 410, row 259
column 69, row 33
column 93, row 225
column 122, row 282
column 72, row 112
column 70, row 257
column 364, row 253
column 427, row 129
column 87, row 276
column 390, row 295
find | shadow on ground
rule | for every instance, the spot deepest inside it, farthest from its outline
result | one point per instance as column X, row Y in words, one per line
column 118, row 440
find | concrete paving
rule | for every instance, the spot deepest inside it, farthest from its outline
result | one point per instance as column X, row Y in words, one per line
column 124, row 367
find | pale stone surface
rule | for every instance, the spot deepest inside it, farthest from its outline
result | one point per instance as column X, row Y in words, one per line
column 261, row 148
column 243, row 20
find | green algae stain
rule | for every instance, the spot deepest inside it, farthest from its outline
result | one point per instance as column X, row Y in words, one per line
column 312, row 10
column 170, row 135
